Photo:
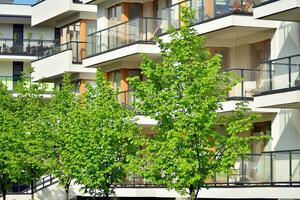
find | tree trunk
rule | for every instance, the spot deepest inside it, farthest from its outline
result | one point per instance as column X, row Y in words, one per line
column 4, row 193
column 32, row 190
column 192, row 192
column 192, row 196
column 67, row 188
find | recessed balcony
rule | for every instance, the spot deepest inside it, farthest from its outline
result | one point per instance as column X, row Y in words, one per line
column 54, row 12
column 278, row 10
column 280, row 84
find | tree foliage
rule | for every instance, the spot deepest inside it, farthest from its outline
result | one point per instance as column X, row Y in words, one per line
column 63, row 110
column 23, row 135
column 30, row 115
column 9, row 142
column 104, row 142
column 183, row 93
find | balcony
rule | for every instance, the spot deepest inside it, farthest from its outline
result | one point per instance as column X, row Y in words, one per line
column 33, row 48
column 280, row 78
column 273, row 168
column 278, row 10
column 135, row 36
column 60, row 59
column 245, row 89
column 206, row 11
column 78, row 50
column 61, row 11
column 11, row 82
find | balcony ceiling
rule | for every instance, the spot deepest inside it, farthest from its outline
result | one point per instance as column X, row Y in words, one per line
column 235, row 36
column 288, row 15
column 279, row 10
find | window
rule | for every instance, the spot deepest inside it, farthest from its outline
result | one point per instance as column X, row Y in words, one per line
column 70, row 33
column 260, row 53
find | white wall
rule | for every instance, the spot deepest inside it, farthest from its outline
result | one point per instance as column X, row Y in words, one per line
column 286, row 130
column 6, row 30
column 48, row 32
column 6, row 68
column 286, row 40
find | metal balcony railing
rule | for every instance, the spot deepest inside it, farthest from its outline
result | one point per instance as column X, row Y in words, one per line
column 78, row 50
column 274, row 168
column 280, row 74
column 268, row 169
column 246, row 88
column 24, row 47
column 11, row 82
column 127, row 99
column 139, row 30
column 206, row 11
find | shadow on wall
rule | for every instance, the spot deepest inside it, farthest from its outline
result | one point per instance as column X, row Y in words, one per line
column 288, row 34
column 290, row 135
column 53, row 192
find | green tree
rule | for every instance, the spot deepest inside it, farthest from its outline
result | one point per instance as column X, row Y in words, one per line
column 10, row 143
column 183, row 93
column 105, row 141
column 30, row 113
column 63, row 108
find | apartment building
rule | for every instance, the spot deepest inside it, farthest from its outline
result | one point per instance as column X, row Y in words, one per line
column 258, row 39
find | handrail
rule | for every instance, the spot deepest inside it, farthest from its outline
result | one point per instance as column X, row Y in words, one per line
column 72, row 45
column 259, row 162
column 282, row 76
column 139, row 30
column 122, row 23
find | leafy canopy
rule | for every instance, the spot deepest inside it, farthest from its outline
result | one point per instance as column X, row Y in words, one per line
column 183, row 93
column 104, row 142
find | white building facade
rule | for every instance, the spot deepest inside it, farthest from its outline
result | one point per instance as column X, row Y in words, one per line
column 258, row 39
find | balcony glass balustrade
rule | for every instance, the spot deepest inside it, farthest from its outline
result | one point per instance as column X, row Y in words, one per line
column 206, row 10
column 144, row 30
column 11, row 82
column 78, row 50
column 246, row 88
column 139, row 30
column 269, row 169
column 25, row 47
column 280, row 74
column 274, row 168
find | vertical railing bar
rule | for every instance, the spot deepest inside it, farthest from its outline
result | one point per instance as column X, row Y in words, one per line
column 100, row 46
column 243, row 171
column 146, row 21
column 270, row 74
column 242, row 83
column 271, row 168
column 290, row 168
column 290, row 73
